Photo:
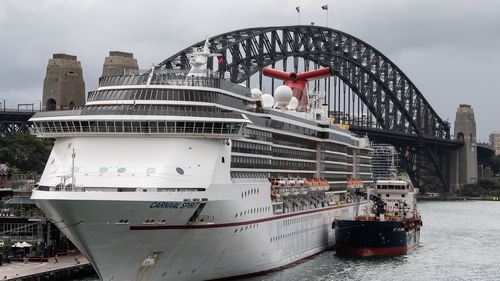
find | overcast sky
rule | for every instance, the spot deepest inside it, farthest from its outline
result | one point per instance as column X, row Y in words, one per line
column 450, row 49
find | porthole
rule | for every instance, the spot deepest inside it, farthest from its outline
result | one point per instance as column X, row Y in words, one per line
column 103, row 170
column 121, row 170
column 179, row 170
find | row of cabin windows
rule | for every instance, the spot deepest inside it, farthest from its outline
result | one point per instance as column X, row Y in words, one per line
column 250, row 175
column 251, row 148
column 337, row 168
column 247, row 227
column 301, row 219
column 259, row 134
column 265, row 163
column 158, row 109
column 253, row 211
column 298, row 232
column 391, row 186
column 166, row 95
column 336, row 147
column 364, row 161
column 335, row 157
column 293, row 153
column 293, row 165
column 279, row 125
column 250, row 192
column 293, row 141
column 123, row 80
column 250, row 162
column 174, row 127
column 363, row 169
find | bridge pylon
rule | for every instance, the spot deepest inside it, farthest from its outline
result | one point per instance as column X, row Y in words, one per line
column 463, row 161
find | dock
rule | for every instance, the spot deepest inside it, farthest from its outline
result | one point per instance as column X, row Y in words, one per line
column 63, row 269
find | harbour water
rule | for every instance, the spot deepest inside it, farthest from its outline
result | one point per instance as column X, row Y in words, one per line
column 459, row 241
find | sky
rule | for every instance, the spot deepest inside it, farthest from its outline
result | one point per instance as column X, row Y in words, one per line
column 450, row 49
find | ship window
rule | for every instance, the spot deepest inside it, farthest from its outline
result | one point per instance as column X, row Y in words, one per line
column 402, row 195
column 179, row 170
column 387, row 195
column 223, row 159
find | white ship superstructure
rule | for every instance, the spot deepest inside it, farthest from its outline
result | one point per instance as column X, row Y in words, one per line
column 167, row 176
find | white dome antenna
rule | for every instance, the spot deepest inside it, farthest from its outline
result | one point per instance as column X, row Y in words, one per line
column 267, row 101
column 283, row 94
column 294, row 102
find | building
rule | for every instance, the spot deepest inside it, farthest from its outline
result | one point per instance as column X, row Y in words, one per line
column 495, row 141
column 385, row 161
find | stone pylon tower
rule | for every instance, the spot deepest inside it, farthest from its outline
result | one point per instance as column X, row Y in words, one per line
column 63, row 87
column 118, row 63
column 463, row 168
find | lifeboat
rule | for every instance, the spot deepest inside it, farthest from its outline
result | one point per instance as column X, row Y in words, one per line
column 318, row 184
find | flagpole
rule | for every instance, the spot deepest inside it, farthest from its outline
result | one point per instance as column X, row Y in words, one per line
column 298, row 12
column 325, row 7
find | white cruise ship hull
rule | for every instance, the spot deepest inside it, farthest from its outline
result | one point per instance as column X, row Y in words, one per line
column 176, row 250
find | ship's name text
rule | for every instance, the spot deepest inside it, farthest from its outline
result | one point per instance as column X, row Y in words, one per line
column 174, row 205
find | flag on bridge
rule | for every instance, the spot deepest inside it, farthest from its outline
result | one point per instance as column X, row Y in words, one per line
column 298, row 9
column 324, row 7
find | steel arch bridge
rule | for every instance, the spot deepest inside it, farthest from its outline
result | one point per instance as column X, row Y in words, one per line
column 396, row 111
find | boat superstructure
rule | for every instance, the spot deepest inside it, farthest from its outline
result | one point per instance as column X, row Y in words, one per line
column 187, row 176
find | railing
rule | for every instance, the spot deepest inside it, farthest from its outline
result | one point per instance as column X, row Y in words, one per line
column 18, row 110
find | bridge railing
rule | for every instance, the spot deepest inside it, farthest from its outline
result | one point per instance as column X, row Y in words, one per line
column 14, row 110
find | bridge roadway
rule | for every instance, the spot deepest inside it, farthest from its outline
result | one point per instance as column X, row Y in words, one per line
column 14, row 121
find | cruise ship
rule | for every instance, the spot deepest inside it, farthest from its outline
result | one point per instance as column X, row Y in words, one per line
column 167, row 175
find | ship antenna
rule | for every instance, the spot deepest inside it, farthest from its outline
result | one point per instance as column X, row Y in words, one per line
column 73, row 155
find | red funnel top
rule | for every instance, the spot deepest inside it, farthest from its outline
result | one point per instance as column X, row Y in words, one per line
column 298, row 81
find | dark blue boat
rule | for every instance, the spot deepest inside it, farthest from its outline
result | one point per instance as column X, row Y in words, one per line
column 390, row 228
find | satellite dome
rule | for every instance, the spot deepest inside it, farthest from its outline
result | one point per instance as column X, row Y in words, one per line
column 256, row 93
column 283, row 95
column 267, row 101
column 294, row 102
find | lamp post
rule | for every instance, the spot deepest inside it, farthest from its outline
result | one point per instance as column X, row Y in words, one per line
column 3, row 104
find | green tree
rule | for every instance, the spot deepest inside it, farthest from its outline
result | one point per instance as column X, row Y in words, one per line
column 24, row 153
column 7, row 247
column 495, row 164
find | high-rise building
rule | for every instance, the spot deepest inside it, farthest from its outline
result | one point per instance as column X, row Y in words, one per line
column 385, row 161
column 495, row 141
column 63, row 87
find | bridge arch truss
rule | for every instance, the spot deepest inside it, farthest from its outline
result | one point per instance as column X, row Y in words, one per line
column 396, row 111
